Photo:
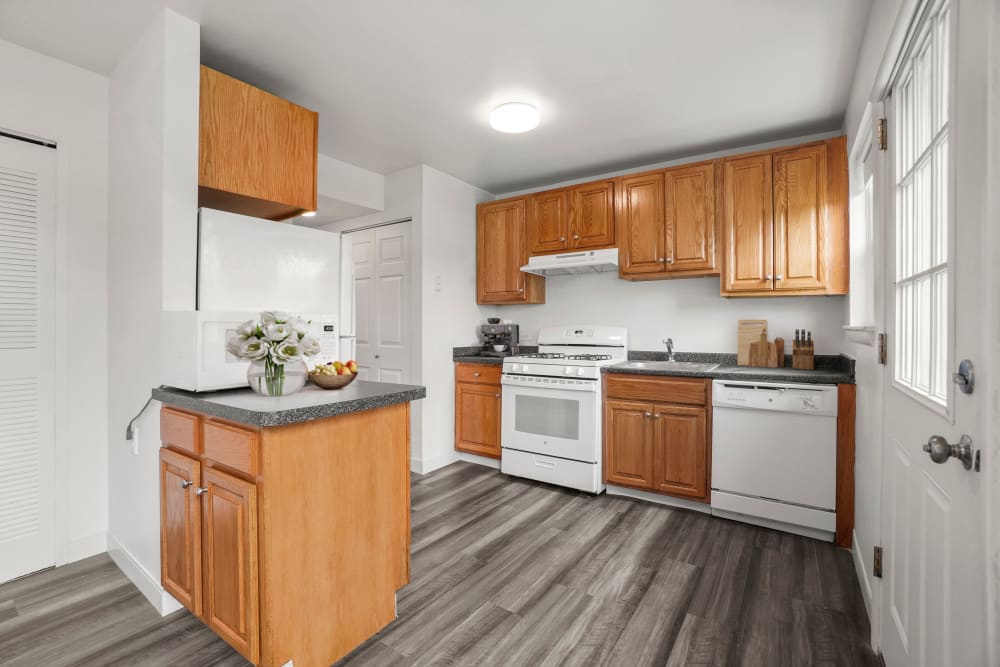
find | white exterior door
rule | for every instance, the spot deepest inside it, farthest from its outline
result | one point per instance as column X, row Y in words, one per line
column 933, row 592
column 27, row 358
column 382, row 280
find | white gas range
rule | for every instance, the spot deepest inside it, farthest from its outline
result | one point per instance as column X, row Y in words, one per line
column 553, row 409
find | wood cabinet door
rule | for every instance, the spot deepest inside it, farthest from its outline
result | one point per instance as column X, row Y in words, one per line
column 180, row 528
column 477, row 419
column 747, row 224
column 592, row 215
column 501, row 251
column 257, row 151
column 642, row 243
column 690, row 218
column 229, row 561
column 628, row 444
column 680, row 451
column 548, row 222
column 800, row 198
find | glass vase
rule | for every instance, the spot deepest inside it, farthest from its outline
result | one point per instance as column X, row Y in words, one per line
column 269, row 378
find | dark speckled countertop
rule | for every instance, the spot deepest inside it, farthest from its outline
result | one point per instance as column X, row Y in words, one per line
column 829, row 369
column 244, row 406
column 471, row 355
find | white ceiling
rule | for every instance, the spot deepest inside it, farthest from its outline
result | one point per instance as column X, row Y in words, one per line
column 618, row 83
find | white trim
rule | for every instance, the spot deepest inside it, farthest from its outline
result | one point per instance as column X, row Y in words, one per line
column 84, row 547
column 649, row 497
column 478, row 460
column 147, row 584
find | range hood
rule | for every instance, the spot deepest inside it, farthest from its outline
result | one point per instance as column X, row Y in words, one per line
column 573, row 263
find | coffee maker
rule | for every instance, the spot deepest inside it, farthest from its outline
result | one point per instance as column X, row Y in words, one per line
column 495, row 333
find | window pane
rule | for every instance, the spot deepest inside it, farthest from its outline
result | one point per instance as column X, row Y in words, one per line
column 922, row 334
column 939, row 379
column 942, row 74
column 922, row 73
column 904, row 333
column 922, row 218
column 940, row 255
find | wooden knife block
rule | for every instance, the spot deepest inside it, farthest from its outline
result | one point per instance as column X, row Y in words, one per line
column 803, row 355
column 765, row 354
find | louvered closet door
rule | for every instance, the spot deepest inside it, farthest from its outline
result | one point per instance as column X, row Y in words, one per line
column 27, row 365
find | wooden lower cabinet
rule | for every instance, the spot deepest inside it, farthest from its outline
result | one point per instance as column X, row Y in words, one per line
column 477, row 409
column 301, row 560
column 658, row 446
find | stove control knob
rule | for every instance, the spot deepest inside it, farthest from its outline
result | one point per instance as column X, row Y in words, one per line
column 581, row 371
column 569, row 370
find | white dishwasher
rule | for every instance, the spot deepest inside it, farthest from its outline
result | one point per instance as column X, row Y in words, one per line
column 774, row 455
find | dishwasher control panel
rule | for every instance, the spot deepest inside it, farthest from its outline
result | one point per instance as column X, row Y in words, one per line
column 817, row 399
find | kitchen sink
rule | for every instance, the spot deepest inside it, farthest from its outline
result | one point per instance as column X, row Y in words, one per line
column 667, row 366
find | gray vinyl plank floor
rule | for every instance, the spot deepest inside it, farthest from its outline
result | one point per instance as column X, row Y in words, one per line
column 510, row 572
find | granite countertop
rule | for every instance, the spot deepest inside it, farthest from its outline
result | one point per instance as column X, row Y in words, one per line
column 244, row 406
column 829, row 369
column 471, row 355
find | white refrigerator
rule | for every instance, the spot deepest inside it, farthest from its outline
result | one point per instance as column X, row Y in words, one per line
column 245, row 266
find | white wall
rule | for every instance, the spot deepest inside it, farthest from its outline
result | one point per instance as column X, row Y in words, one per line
column 349, row 183
column 153, row 203
column 48, row 98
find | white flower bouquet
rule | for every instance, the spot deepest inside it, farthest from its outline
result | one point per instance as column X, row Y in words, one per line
column 273, row 340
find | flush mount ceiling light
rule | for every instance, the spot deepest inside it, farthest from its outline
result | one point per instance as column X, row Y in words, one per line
column 514, row 117
column 309, row 214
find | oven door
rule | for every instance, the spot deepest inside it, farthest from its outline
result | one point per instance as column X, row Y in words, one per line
column 552, row 416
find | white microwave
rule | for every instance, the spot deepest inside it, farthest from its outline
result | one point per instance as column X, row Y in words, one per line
column 194, row 347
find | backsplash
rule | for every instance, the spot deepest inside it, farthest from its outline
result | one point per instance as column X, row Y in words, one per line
column 688, row 310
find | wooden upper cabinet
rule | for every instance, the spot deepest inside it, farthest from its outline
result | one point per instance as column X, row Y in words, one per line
column 501, row 251
column 642, row 234
column 548, row 222
column 257, row 151
column 680, row 451
column 592, row 215
column 230, row 561
column 747, row 224
column 690, row 218
column 799, row 212
column 628, row 444
column 180, row 528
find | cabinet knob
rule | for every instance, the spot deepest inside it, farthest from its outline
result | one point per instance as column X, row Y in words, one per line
column 767, row 277
column 656, row 415
column 476, row 374
column 562, row 238
column 201, row 490
column 670, row 260
column 576, row 237
column 662, row 260
column 498, row 395
column 521, row 291
column 186, row 483
column 649, row 414
column 779, row 277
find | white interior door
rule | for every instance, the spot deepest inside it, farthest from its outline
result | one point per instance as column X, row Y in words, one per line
column 933, row 593
column 27, row 357
column 382, row 265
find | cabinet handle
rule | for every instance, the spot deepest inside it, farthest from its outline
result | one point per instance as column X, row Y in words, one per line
column 670, row 260
column 186, row 483
column 779, row 277
column 521, row 291
column 662, row 260
column 576, row 237
column 767, row 277
column 201, row 490
column 498, row 395
column 562, row 238
column 649, row 414
column 656, row 416
column 476, row 374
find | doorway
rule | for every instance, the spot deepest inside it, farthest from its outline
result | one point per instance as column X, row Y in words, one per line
column 382, row 257
column 27, row 357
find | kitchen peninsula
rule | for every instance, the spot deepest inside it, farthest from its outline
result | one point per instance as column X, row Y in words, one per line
column 285, row 522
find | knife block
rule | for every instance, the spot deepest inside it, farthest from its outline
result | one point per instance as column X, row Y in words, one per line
column 803, row 355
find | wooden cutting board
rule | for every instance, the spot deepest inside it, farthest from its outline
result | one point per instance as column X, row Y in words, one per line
column 748, row 332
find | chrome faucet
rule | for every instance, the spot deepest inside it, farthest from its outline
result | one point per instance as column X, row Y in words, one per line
column 669, row 342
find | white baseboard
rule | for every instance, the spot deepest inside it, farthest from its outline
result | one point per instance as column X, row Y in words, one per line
column 147, row 584
column 83, row 547
column 670, row 501
column 478, row 460
column 424, row 466
column 863, row 577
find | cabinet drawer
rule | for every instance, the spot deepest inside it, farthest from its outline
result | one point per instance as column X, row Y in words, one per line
column 685, row 391
column 231, row 446
column 179, row 430
column 481, row 373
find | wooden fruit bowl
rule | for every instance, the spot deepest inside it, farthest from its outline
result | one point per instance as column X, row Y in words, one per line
column 332, row 381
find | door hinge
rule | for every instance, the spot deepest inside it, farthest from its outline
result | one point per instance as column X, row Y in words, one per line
column 877, row 565
column 883, row 345
column 882, row 134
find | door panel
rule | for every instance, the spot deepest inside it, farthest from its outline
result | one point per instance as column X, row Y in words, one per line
column 800, row 200
column 27, row 358
column 643, row 244
column 548, row 222
column 180, row 529
column 747, row 224
column 680, row 451
column 690, row 218
column 363, row 243
column 592, row 215
column 477, row 419
column 628, row 444
column 230, row 561
column 501, row 252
